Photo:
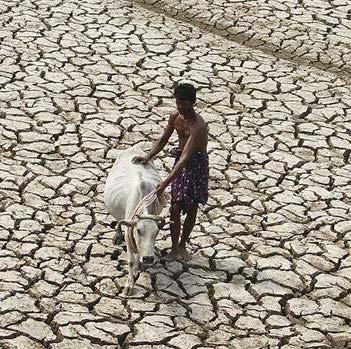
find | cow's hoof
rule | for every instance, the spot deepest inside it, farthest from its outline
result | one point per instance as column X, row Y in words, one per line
column 136, row 275
column 128, row 290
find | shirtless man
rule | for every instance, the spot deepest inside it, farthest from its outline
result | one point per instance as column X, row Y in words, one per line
column 189, row 176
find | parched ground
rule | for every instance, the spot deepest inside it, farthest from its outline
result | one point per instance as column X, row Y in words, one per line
column 271, row 264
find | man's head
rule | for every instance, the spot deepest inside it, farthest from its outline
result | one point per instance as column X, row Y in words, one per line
column 185, row 95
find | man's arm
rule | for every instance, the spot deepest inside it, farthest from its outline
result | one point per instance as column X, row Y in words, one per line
column 184, row 158
column 159, row 144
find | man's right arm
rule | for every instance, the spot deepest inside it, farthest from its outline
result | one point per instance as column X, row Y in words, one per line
column 159, row 144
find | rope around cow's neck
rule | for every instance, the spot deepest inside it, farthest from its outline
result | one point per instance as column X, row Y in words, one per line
column 146, row 201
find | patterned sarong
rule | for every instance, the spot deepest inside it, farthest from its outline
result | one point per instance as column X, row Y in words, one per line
column 191, row 185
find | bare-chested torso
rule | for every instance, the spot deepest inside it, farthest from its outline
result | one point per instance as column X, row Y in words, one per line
column 185, row 128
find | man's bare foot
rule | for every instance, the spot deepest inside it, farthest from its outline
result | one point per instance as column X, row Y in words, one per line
column 183, row 254
column 172, row 256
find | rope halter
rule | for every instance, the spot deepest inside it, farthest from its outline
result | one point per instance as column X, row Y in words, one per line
column 146, row 201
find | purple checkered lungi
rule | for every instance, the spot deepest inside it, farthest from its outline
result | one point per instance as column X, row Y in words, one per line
column 191, row 185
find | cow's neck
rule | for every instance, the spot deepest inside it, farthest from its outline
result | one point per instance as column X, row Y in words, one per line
column 148, row 211
column 146, row 188
column 132, row 201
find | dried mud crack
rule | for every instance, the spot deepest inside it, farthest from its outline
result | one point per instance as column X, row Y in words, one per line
column 271, row 260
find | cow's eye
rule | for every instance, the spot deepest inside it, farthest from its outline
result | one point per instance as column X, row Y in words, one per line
column 139, row 232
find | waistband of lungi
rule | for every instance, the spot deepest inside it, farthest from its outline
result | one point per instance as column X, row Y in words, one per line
column 176, row 152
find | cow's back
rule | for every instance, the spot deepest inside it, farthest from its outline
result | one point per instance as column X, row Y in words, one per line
column 127, row 183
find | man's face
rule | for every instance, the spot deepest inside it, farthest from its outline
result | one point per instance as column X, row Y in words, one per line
column 184, row 107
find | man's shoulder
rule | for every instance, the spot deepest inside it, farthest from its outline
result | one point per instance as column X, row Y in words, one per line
column 173, row 113
column 201, row 123
column 173, row 116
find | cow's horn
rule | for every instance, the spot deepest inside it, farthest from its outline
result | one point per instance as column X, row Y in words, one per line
column 129, row 224
column 160, row 220
column 119, row 235
column 149, row 216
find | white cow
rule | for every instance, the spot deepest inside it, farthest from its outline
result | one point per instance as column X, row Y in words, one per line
column 126, row 185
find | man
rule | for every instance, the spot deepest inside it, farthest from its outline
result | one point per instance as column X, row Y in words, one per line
column 189, row 176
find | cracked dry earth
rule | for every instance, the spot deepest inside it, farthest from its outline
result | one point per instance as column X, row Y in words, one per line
column 271, row 264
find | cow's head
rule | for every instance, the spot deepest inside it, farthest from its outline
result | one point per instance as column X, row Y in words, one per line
column 141, row 236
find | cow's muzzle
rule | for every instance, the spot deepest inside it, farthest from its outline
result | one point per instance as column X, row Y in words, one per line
column 148, row 260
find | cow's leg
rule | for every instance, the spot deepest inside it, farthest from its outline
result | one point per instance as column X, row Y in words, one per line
column 128, row 288
column 136, row 264
column 118, row 238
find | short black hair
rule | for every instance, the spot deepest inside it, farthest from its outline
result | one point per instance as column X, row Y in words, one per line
column 185, row 92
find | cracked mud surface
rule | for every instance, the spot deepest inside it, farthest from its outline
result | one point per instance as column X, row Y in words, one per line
column 271, row 260
column 309, row 32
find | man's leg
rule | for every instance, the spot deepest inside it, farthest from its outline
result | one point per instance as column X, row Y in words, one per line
column 187, row 229
column 175, row 228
